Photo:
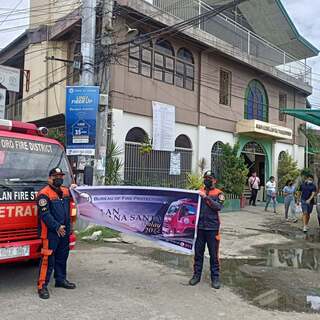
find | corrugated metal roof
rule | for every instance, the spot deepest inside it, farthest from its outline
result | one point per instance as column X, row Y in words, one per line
column 270, row 20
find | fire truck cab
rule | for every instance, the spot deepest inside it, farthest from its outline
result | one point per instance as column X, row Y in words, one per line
column 26, row 157
column 180, row 219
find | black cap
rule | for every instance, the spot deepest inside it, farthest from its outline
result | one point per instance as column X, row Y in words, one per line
column 209, row 174
column 56, row 171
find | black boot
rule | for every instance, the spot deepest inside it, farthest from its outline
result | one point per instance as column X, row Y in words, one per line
column 65, row 284
column 43, row 293
column 215, row 283
column 194, row 280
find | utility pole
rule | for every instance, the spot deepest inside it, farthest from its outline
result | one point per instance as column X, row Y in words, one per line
column 88, row 38
column 104, row 74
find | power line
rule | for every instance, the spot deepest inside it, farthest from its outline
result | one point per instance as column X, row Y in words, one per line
column 7, row 16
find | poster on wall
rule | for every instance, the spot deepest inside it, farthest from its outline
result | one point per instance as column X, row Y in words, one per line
column 81, row 112
column 175, row 164
column 166, row 216
column 164, row 129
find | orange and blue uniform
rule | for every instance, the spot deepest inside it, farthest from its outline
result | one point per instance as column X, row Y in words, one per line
column 209, row 232
column 53, row 211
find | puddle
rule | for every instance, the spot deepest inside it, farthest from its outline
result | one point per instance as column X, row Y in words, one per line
column 285, row 279
column 307, row 258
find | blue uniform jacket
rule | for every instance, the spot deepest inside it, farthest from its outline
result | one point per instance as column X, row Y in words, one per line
column 210, row 207
column 53, row 211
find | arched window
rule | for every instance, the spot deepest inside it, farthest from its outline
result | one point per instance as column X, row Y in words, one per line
column 136, row 135
column 183, row 141
column 256, row 102
column 185, row 69
column 185, row 55
column 164, row 61
column 282, row 154
column 216, row 159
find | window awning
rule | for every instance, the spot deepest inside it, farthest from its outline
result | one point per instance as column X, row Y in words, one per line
column 308, row 115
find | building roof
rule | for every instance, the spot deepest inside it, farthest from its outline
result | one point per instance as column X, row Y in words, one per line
column 270, row 20
column 15, row 50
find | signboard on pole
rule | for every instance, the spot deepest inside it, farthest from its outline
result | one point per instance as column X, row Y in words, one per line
column 10, row 78
column 81, row 113
column 163, row 126
column 2, row 103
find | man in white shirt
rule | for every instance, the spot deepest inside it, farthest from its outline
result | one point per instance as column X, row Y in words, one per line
column 254, row 185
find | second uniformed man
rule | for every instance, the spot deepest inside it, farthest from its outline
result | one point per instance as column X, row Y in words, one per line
column 208, row 232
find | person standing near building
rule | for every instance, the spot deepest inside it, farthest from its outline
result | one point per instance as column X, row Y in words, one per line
column 53, row 203
column 307, row 193
column 289, row 201
column 254, row 185
column 271, row 194
column 208, row 231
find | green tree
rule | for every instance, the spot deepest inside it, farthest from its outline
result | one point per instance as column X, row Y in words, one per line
column 57, row 134
column 287, row 170
column 313, row 141
column 194, row 181
column 113, row 164
column 234, row 170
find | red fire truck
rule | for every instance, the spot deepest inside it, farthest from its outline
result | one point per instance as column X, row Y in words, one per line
column 26, row 157
column 180, row 219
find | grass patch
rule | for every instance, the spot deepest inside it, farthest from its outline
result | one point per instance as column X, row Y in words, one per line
column 106, row 232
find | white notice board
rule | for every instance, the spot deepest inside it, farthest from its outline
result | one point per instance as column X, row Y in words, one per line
column 164, row 120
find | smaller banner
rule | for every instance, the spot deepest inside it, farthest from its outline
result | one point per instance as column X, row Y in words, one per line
column 81, row 113
column 175, row 164
column 164, row 130
column 167, row 216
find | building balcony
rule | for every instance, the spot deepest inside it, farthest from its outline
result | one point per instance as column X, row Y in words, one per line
column 230, row 38
column 260, row 129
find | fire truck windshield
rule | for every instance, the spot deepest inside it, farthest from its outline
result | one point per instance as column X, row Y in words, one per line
column 29, row 162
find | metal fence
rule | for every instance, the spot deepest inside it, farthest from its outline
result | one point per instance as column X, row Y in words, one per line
column 153, row 168
column 241, row 40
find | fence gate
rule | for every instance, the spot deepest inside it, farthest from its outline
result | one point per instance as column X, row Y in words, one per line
column 153, row 168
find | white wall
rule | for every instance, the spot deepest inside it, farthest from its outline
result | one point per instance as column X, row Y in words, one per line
column 207, row 138
column 295, row 151
column 202, row 139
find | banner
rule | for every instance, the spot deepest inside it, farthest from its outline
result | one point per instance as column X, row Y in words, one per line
column 81, row 113
column 164, row 130
column 167, row 216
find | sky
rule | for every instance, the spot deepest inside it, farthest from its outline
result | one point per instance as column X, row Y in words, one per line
column 304, row 13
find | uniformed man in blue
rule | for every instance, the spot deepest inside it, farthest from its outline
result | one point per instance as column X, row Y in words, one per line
column 53, row 203
column 208, row 232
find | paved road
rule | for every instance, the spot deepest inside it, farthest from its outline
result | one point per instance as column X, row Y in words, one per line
column 114, row 283
column 118, row 282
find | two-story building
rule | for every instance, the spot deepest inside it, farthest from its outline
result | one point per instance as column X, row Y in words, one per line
column 227, row 76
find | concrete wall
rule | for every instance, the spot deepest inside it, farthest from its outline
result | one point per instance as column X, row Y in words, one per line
column 42, row 74
column 46, row 12
column 215, row 115
column 134, row 93
column 202, row 139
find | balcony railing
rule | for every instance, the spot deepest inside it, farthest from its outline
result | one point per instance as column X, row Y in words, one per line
column 239, row 39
